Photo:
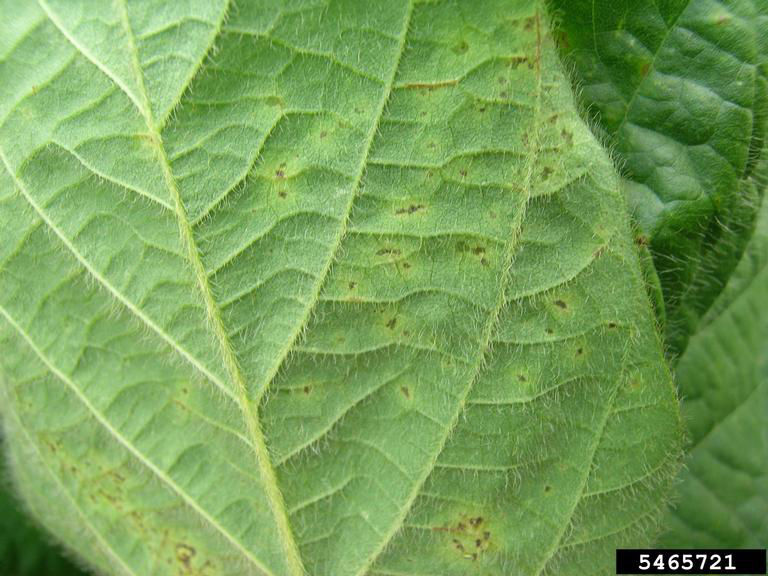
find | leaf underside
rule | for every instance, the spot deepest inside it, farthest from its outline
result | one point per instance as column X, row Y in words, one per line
column 679, row 90
column 26, row 550
column 332, row 286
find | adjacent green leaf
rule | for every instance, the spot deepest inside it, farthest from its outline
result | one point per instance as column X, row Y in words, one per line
column 679, row 90
column 723, row 376
column 331, row 286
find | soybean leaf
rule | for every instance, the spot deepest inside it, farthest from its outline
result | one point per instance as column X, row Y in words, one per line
column 335, row 287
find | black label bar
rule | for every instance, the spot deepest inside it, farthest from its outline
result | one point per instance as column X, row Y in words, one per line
column 690, row 561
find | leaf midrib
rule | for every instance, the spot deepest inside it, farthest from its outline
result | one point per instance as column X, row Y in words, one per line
column 250, row 415
column 249, row 411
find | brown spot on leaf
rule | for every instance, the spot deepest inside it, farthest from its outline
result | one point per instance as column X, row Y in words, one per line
column 460, row 48
column 410, row 209
column 184, row 554
column 388, row 252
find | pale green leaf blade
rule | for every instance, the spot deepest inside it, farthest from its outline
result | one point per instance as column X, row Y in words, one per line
column 25, row 548
column 376, row 239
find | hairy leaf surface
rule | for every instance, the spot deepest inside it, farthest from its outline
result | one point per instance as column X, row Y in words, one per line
column 723, row 497
column 679, row 90
column 24, row 549
column 326, row 286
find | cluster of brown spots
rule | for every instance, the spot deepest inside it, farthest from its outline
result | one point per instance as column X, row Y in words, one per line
column 184, row 554
column 470, row 536
column 410, row 209
column 116, row 476
column 567, row 136
column 522, row 378
column 546, row 172
column 549, row 331
column 406, row 392
column 352, row 285
column 307, row 389
column 323, row 134
column 552, row 119
column 388, row 252
column 391, row 324
column 516, row 61
column 561, row 304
